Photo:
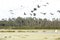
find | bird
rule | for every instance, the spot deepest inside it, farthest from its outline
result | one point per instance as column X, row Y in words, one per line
column 34, row 14
column 30, row 14
column 47, row 3
column 58, row 11
column 35, row 9
column 11, row 11
column 43, row 13
column 32, row 11
column 38, row 6
column 51, row 13
column 24, row 13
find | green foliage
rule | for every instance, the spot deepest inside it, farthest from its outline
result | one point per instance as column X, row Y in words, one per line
column 29, row 23
column 57, row 39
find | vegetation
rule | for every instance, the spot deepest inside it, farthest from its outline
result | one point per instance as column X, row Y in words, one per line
column 29, row 23
column 57, row 38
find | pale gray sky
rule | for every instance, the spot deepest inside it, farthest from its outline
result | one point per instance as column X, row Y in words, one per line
column 21, row 6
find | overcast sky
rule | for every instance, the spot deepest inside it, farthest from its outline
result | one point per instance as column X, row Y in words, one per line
column 21, row 6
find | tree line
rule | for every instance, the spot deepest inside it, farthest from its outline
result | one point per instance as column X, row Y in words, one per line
column 29, row 23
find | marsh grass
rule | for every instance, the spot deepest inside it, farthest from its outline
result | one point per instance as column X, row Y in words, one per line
column 10, row 36
column 17, row 31
column 2, row 39
column 26, row 35
column 7, row 31
column 45, row 38
column 21, row 31
column 44, row 31
column 57, row 38
column 27, row 31
column 5, row 36
column 23, row 37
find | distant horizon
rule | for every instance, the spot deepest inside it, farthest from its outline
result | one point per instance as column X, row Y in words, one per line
column 31, row 17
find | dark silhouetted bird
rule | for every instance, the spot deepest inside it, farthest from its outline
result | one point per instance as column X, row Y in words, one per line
column 43, row 13
column 32, row 11
column 30, row 14
column 24, row 13
column 34, row 14
column 51, row 13
column 47, row 3
column 38, row 6
column 11, row 11
column 58, row 11
column 35, row 9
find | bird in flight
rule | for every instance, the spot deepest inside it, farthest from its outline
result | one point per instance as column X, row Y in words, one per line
column 11, row 11
column 38, row 6
column 24, row 13
column 58, row 11
column 35, row 9
column 43, row 13
column 30, row 14
column 32, row 11
column 51, row 13
column 34, row 14
column 47, row 3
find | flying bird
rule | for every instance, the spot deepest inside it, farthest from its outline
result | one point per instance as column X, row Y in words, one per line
column 47, row 3
column 34, row 14
column 30, row 14
column 58, row 11
column 24, row 13
column 35, row 9
column 11, row 11
column 43, row 13
column 32, row 11
column 51, row 13
column 38, row 6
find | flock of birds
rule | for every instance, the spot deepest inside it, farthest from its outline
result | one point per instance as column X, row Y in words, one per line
column 35, row 9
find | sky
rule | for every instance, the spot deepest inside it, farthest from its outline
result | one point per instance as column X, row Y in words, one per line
column 21, row 6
